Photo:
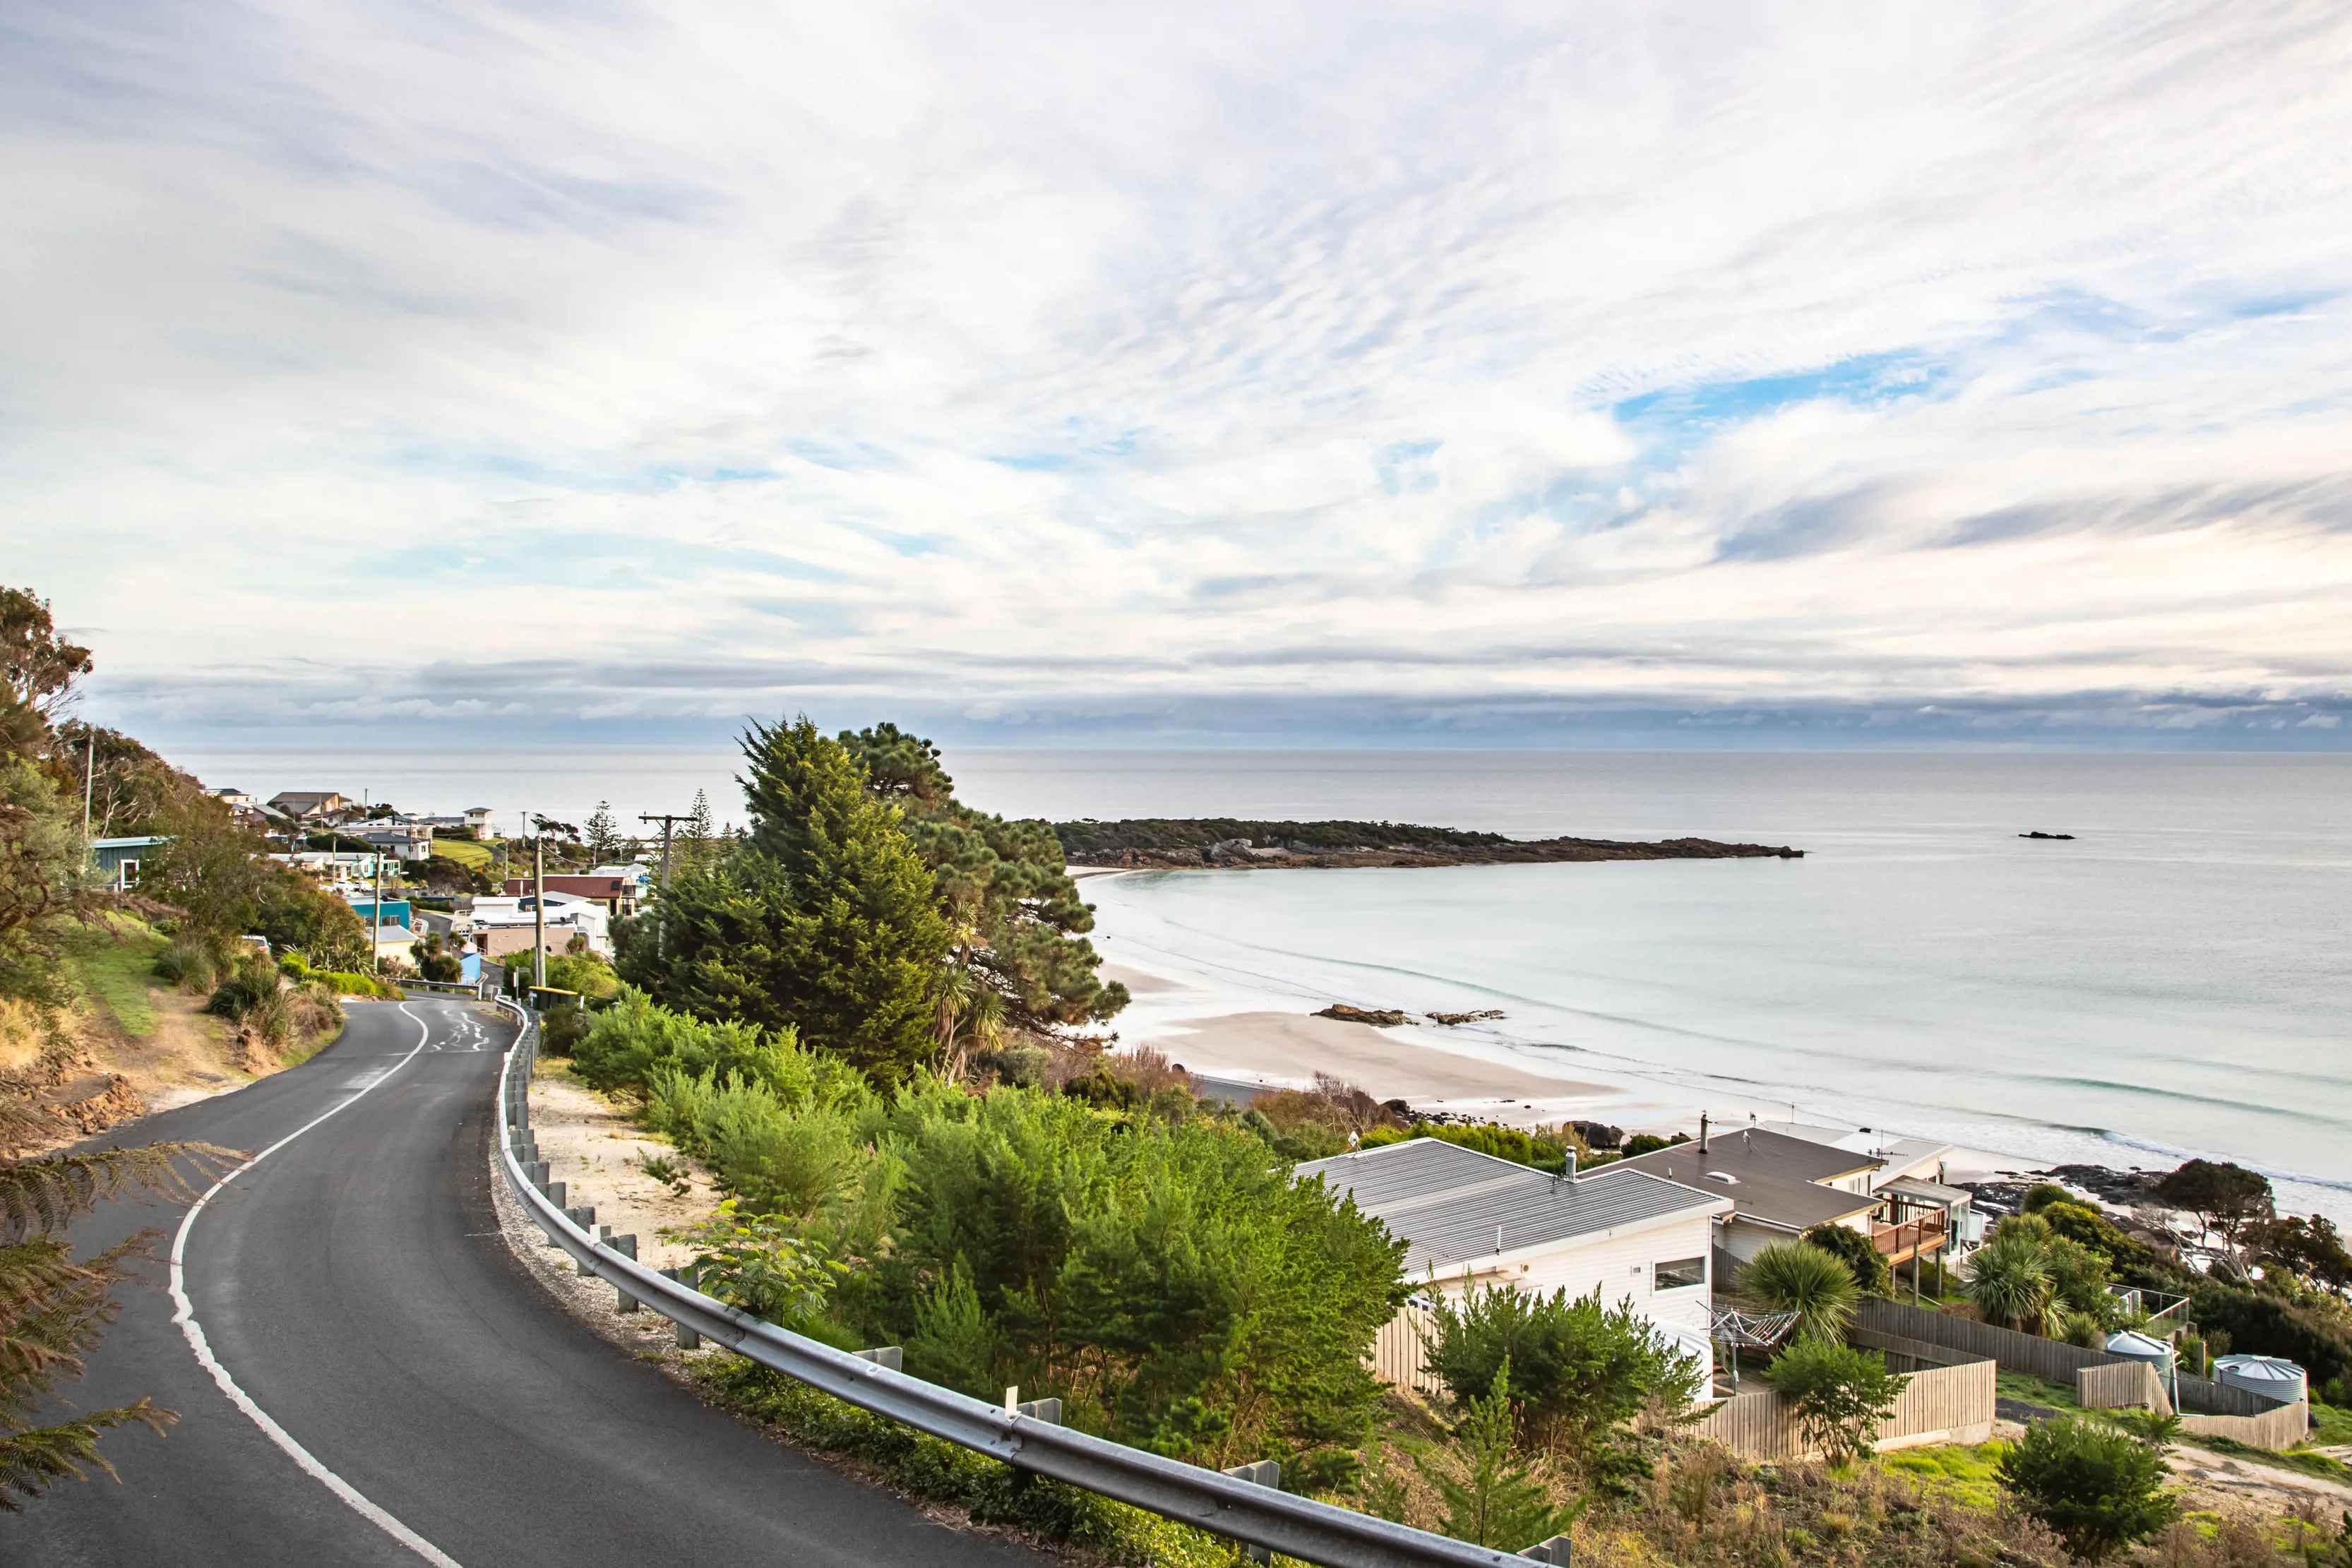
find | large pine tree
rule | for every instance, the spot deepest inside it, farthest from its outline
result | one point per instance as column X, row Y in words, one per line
column 822, row 918
column 1003, row 886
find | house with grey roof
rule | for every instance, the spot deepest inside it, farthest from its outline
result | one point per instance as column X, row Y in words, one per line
column 1470, row 1220
column 1779, row 1187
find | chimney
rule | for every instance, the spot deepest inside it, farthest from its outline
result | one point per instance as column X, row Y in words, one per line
column 1702, row 1131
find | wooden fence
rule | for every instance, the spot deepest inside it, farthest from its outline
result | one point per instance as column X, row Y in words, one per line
column 1942, row 1405
column 2127, row 1385
column 1401, row 1354
column 2202, row 1395
column 1909, row 1355
column 2280, row 1428
column 2047, row 1359
column 2137, row 1385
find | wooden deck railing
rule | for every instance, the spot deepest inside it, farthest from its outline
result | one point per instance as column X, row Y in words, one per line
column 1912, row 1237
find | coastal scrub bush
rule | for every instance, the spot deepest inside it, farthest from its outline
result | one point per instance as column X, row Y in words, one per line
column 1798, row 1277
column 1841, row 1394
column 249, row 988
column 1165, row 1278
column 2260, row 1323
column 2098, row 1488
column 2086, row 1227
column 191, row 965
column 1492, row 1496
column 1543, row 1151
column 1577, row 1373
column 1864, row 1261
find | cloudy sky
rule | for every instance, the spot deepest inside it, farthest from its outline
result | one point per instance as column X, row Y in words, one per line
column 1346, row 371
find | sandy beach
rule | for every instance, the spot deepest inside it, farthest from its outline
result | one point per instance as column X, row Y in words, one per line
column 1432, row 1067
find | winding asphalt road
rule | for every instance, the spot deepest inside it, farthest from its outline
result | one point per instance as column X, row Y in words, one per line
column 354, row 1286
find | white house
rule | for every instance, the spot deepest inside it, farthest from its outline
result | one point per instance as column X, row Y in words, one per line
column 1469, row 1218
column 504, row 925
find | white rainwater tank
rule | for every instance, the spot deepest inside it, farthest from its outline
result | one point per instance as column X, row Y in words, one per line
column 2140, row 1347
column 2279, row 1381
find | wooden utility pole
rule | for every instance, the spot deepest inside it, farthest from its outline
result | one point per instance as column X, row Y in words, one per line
column 668, row 820
column 538, row 901
column 376, row 916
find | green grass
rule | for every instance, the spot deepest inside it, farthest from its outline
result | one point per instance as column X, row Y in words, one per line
column 2032, row 1390
column 2332, row 1425
column 465, row 851
column 1965, row 1475
column 115, row 973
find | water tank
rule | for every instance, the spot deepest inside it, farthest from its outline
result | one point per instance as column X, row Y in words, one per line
column 2140, row 1347
column 2267, row 1375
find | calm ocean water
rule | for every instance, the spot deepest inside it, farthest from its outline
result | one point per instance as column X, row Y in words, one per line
column 2176, row 979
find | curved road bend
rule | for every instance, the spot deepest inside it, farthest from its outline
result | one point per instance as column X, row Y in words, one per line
column 355, row 1287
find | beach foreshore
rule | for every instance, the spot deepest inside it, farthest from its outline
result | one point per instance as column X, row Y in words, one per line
column 1431, row 1068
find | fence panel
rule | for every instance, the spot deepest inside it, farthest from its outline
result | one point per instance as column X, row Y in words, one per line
column 2128, row 1386
column 2280, row 1428
column 1401, row 1352
column 2037, row 1357
column 2204, row 1397
column 1942, row 1405
column 1909, row 1355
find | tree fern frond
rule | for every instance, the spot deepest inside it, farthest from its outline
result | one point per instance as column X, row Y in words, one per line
column 35, row 1458
column 52, row 1308
column 47, row 1194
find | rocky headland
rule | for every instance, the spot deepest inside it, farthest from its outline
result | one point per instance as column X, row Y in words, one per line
column 1167, row 843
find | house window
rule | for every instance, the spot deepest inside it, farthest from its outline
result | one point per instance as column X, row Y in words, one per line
column 1681, row 1274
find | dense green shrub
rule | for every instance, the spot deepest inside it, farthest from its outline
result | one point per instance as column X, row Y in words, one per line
column 1516, row 1145
column 633, row 1040
column 350, row 983
column 1496, row 1498
column 2098, row 1488
column 2086, row 1227
column 1578, row 1371
column 1865, row 1262
column 2311, row 1333
column 192, row 965
column 1166, row 1279
column 1840, row 1394
column 251, row 988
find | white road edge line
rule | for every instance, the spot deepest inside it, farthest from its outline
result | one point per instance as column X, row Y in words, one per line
column 186, row 1318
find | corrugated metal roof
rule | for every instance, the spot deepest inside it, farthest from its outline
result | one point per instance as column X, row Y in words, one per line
column 1447, row 1203
column 1775, row 1177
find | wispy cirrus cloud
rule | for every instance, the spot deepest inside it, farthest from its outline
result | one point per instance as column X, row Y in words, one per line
column 1313, row 370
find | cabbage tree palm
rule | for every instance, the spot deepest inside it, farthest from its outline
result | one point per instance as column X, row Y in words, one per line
column 1796, row 1277
column 2009, row 1281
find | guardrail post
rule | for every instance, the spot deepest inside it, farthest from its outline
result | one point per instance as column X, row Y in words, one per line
column 626, row 1246
column 1047, row 1410
column 889, row 1355
column 555, row 1191
column 1555, row 1551
column 685, row 1275
column 1259, row 1473
column 583, row 1216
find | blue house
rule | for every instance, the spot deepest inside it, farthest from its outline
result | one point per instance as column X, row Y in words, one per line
column 396, row 912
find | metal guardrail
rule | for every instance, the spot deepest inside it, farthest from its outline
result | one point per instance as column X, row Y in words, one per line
column 1276, row 1521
